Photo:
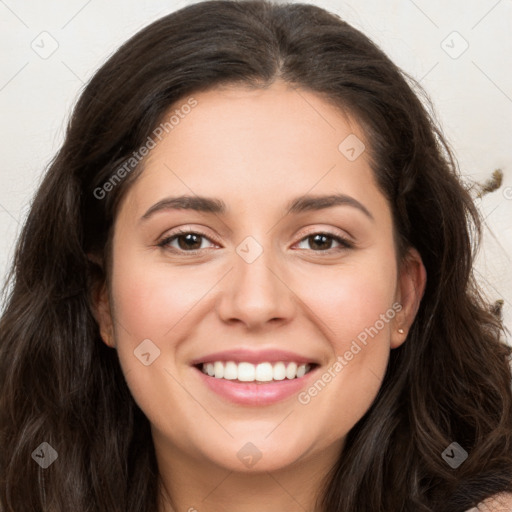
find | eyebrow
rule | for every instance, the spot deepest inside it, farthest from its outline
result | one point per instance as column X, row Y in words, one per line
column 217, row 206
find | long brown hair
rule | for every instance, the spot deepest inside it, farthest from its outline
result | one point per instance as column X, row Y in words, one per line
column 61, row 385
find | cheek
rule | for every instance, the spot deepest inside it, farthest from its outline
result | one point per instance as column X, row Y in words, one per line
column 153, row 305
column 152, row 299
column 352, row 297
column 163, row 303
column 356, row 309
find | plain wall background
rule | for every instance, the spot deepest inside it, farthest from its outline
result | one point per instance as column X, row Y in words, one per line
column 471, row 89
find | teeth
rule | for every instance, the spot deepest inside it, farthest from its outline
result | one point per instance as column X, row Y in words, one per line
column 230, row 371
column 248, row 372
column 291, row 371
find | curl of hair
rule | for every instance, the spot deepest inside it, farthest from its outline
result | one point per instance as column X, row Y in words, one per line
column 59, row 383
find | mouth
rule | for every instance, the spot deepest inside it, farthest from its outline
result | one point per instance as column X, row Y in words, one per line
column 255, row 378
column 255, row 385
column 244, row 372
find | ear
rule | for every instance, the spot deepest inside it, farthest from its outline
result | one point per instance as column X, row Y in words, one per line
column 101, row 307
column 412, row 279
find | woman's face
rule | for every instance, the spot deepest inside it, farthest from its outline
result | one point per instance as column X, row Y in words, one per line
column 261, row 280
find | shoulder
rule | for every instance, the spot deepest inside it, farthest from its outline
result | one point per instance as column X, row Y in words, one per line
column 501, row 502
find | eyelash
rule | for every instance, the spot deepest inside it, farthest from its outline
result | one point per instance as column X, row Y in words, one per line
column 345, row 244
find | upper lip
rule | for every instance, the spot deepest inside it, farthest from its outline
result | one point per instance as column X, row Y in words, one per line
column 254, row 357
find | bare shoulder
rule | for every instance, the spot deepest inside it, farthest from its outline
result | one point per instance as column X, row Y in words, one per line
column 501, row 502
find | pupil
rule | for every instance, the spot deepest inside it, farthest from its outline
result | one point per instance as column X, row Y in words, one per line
column 189, row 243
column 323, row 238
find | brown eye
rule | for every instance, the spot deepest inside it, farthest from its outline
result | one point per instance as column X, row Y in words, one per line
column 188, row 241
column 322, row 242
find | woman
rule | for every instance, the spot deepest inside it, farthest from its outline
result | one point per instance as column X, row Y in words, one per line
column 180, row 337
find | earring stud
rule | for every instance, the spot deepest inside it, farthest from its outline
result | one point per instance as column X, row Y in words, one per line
column 401, row 331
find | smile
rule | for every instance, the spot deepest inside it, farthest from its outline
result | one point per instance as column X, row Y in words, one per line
column 262, row 372
column 258, row 389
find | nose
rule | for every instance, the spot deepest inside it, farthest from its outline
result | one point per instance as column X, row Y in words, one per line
column 256, row 293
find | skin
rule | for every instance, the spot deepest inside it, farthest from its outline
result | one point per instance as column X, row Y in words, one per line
column 242, row 145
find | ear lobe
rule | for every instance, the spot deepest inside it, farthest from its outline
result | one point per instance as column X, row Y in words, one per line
column 411, row 287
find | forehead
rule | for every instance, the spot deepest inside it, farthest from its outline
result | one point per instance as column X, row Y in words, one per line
column 258, row 146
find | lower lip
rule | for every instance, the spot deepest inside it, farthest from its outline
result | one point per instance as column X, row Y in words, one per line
column 253, row 393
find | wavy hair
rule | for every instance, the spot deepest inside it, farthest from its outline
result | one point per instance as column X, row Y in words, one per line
column 60, row 384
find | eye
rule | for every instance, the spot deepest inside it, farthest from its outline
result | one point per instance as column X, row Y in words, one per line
column 321, row 240
column 188, row 241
